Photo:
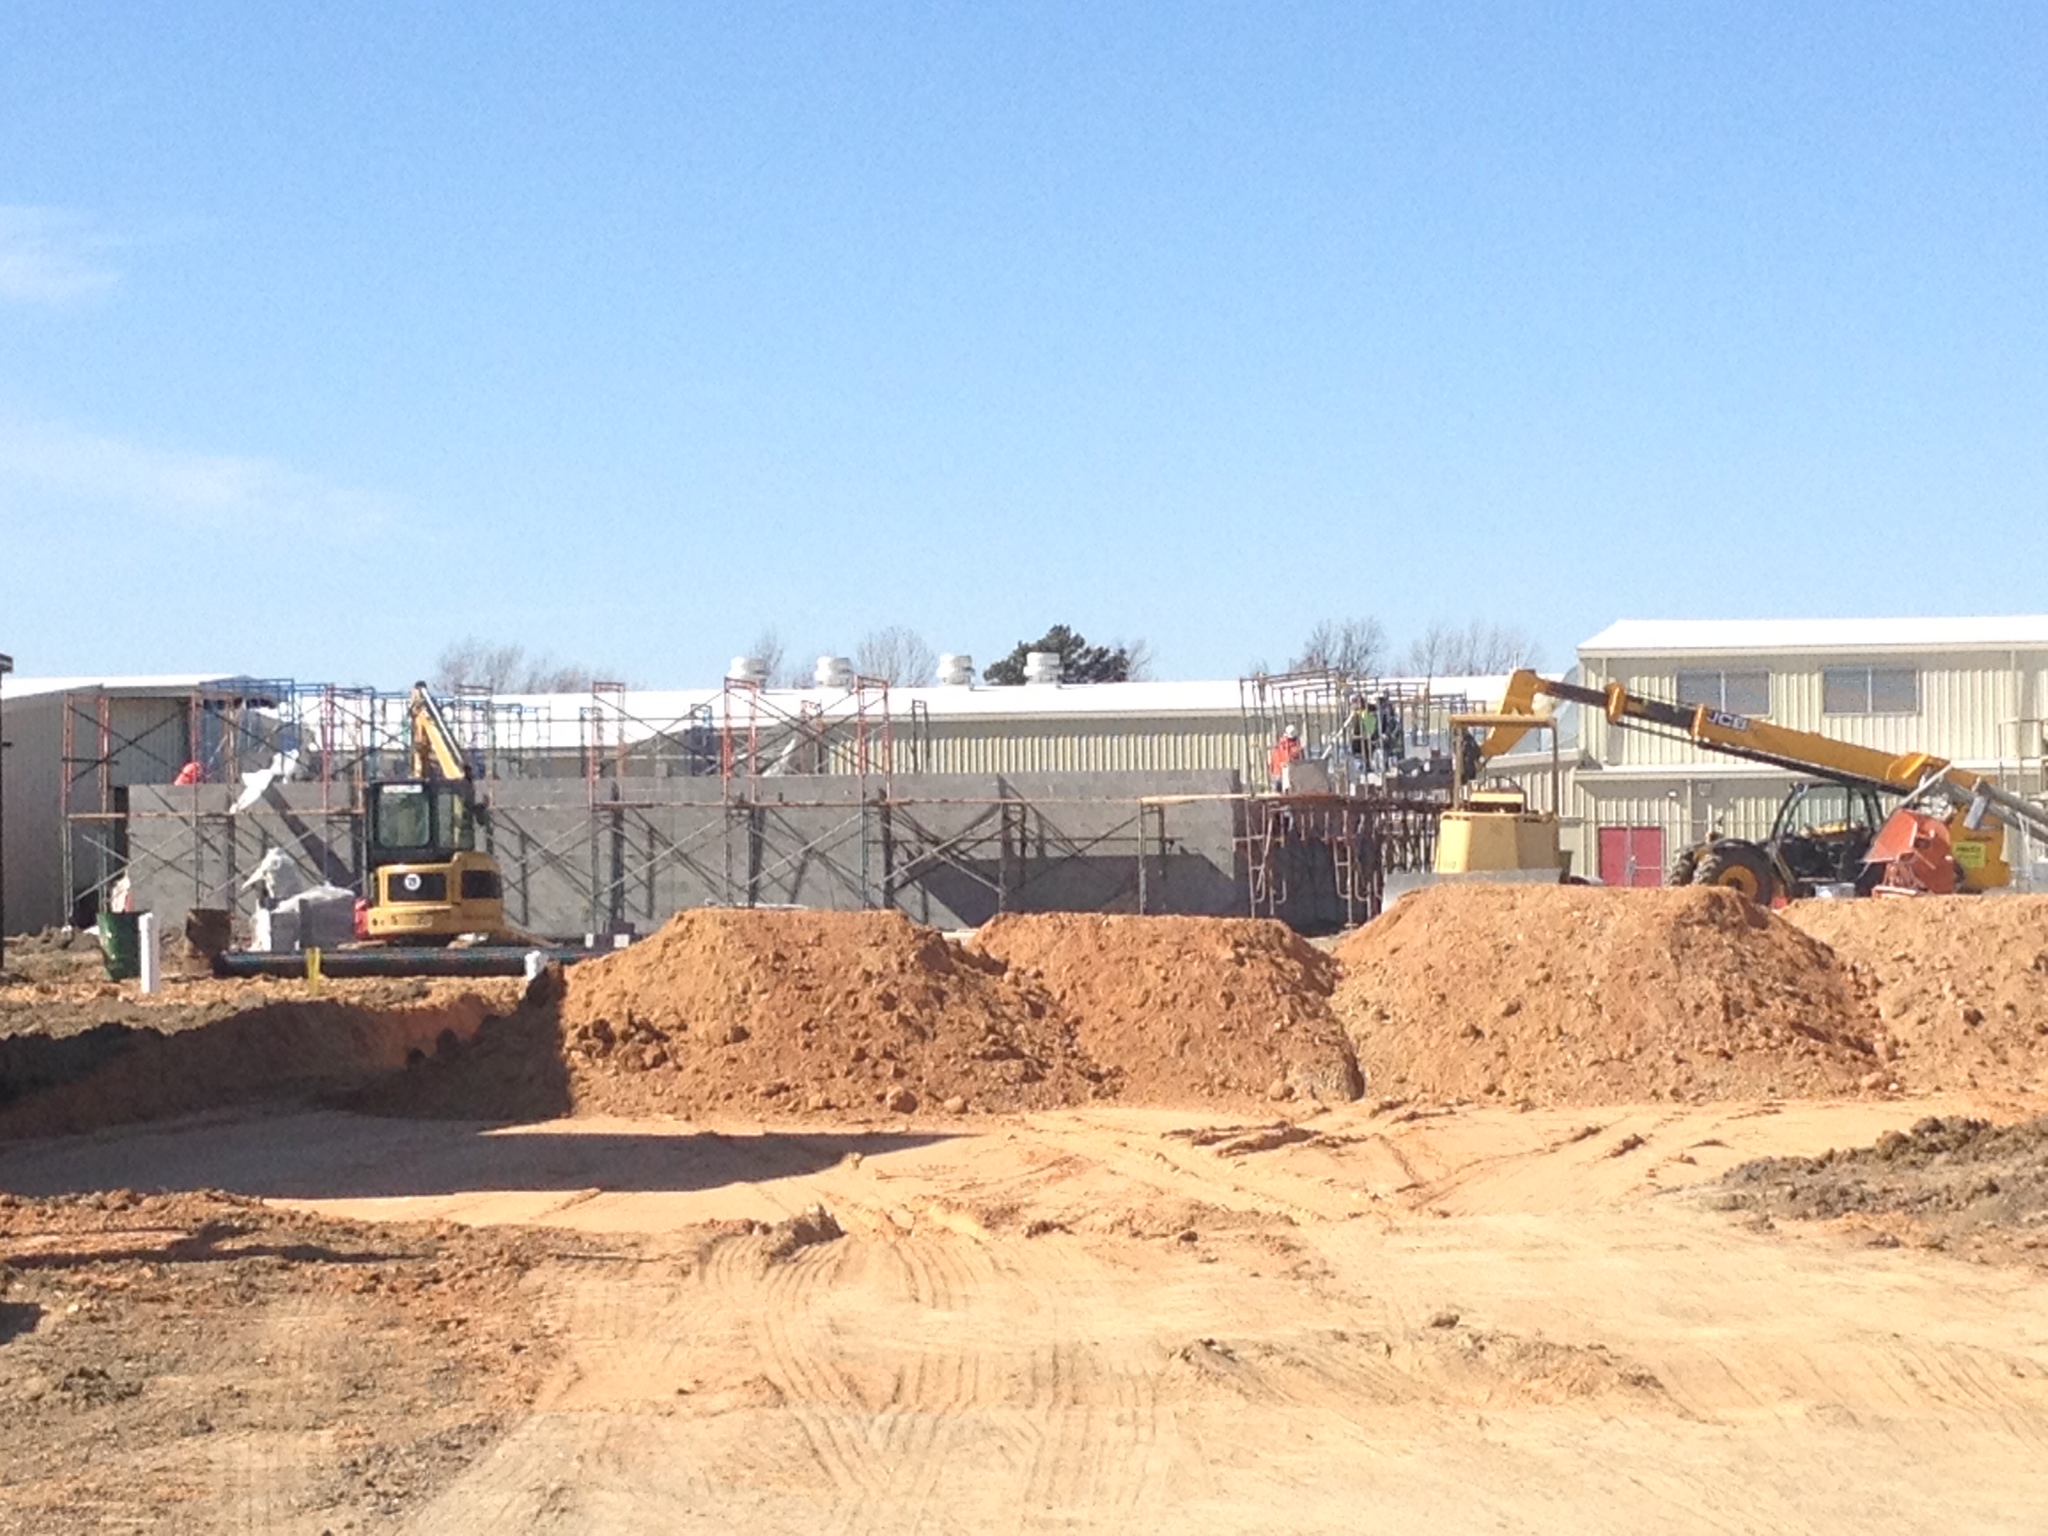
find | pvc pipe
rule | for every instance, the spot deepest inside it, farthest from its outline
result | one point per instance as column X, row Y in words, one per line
column 145, row 942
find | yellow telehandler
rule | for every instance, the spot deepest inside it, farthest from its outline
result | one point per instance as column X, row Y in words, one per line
column 1948, row 832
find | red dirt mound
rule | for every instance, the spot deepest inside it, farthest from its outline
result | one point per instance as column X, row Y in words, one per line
column 810, row 1011
column 1582, row 995
column 1181, row 1009
column 1960, row 983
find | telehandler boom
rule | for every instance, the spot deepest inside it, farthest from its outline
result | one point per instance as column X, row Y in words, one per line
column 1818, row 838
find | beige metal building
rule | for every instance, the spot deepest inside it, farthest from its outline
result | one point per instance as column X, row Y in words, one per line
column 1972, row 690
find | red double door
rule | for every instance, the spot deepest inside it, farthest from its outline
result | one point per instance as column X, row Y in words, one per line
column 1632, row 855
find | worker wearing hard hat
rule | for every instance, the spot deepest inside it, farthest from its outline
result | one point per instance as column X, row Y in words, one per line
column 1286, row 750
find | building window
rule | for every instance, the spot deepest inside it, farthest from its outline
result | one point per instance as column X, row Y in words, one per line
column 1735, row 693
column 1869, row 691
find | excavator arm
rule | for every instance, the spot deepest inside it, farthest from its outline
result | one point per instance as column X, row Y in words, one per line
column 435, row 753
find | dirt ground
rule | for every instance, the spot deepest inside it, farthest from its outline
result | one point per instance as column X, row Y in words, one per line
column 643, row 1288
column 1949, row 1182
column 1103, row 1319
column 206, row 1362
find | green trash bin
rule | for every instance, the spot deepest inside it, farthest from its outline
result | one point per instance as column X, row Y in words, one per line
column 121, row 944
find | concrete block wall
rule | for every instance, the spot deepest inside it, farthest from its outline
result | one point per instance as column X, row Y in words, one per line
column 948, row 849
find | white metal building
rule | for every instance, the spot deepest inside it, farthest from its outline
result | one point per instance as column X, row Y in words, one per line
column 1973, row 690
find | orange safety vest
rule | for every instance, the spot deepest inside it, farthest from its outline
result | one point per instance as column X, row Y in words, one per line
column 1286, row 750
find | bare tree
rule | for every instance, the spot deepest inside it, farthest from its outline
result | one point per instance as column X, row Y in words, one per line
column 781, row 668
column 897, row 655
column 1353, row 647
column 474, row 663
column 1139, row 662
column 1471, row 650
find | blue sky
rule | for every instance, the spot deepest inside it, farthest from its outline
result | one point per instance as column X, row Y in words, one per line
column 624, row 331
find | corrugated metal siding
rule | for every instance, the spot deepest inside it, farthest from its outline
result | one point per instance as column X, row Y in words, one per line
column 1971, row 707
column 1084, row 746
column 1684, row 814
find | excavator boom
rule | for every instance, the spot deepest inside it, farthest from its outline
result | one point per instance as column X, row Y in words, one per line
column 435, row 753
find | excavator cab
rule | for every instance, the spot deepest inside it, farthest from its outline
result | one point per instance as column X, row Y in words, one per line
column 414, row 819
column 427, row 880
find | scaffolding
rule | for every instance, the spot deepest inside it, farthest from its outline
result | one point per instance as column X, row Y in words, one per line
column 244, row 736
column 1316, row 701
column 744, row 796
column 1322, row 861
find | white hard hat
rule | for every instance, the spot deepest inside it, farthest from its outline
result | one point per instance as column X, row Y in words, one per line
column 1294, row 733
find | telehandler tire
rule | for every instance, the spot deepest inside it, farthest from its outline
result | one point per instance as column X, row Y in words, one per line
column 1738, row 867
column 1682, row 868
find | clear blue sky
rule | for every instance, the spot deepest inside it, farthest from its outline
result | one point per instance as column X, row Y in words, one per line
column 330, row 334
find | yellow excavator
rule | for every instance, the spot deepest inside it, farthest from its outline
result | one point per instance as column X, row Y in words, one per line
column 1834, row 831
column 428, row 882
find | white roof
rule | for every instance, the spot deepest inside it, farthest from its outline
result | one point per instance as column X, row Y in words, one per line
column 1716, row 636
column 13, row 687
column 557, row 719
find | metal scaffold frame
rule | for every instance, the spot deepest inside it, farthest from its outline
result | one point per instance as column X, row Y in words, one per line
column 1316, row 700
column 325, row 734
column 728, row 800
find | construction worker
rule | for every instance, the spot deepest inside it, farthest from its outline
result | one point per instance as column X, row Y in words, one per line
column 1361, row 732
column 1393, row 742
column 1286, row 750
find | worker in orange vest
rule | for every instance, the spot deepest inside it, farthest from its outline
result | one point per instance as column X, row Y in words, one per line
column 1286, row 750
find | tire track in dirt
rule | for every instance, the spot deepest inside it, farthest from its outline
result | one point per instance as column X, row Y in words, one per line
column 1084, row 1453
column 799, row 1361
column 918, row 1428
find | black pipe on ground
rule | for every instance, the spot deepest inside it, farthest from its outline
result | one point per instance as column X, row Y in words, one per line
column 394, row 960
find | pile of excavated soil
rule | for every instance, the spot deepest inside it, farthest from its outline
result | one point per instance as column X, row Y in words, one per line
column 278, row 1043
column 1183, row 1009
column 811, row 1011
column 798, row 1011
column 1580, row 995
column 1960, row 983
column 53, row 955
column 1951, row 1178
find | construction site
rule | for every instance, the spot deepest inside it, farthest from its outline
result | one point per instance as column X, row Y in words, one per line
column 860, row 1135
column 607, row 812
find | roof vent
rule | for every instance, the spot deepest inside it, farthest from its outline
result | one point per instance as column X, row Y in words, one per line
column 956, row 670
column 1041, row 666
column 833, row 672
column 747, row 669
